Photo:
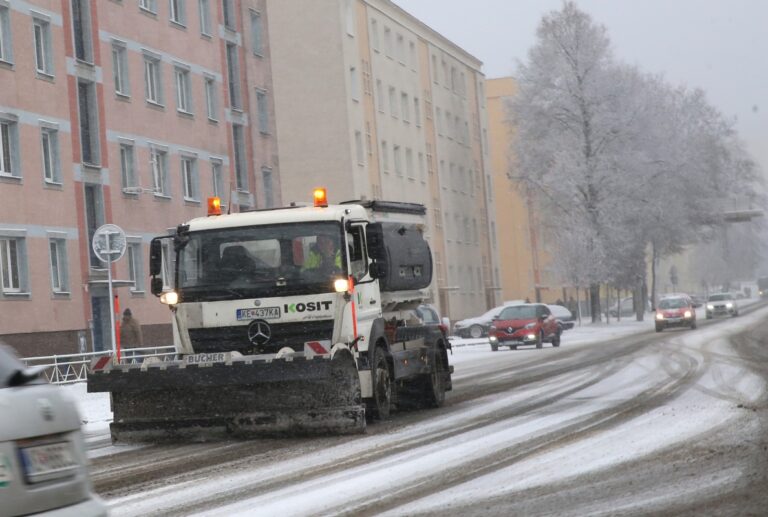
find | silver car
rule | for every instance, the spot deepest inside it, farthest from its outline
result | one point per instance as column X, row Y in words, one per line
column 43, row 466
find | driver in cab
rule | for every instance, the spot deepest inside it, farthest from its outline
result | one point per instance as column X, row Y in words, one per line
column 324, row 256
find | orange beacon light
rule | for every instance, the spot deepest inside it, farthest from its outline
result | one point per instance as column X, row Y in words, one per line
column 321, row 197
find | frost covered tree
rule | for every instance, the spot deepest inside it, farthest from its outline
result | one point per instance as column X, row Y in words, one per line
column 618, row 161
column 571, row 115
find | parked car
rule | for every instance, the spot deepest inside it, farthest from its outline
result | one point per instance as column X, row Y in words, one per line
column 526, row 324
column 564, row 318
column 675, row 311
column 429, row 315
column 43, row 465
column 627, row 307
column 477, row 327
column 722, row 304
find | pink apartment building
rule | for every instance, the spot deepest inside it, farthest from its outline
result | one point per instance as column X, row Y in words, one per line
column 128, row 112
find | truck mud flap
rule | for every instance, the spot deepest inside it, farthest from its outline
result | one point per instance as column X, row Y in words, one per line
column 243, row 399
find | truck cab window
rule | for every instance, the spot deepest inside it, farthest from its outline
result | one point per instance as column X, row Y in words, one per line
column 358, row 258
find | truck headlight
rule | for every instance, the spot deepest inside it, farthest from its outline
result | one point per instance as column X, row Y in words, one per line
column 659, row 316
column 687, row 314
column 169, row 298
column 341, row 285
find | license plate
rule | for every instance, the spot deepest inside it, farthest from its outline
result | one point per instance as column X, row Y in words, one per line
column 258, row 313
column 50, row 461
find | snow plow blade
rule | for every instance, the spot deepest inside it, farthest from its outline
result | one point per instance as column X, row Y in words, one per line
column 242, row 398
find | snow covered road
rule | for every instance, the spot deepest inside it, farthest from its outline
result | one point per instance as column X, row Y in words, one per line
column 617, row 420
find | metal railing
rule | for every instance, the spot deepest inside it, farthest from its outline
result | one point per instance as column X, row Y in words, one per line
column 70, row 368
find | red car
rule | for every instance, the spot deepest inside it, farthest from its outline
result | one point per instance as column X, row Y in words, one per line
column 675, row 311
column 525, row 324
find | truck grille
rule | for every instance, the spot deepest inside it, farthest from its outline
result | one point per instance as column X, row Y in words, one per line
column 293, row 335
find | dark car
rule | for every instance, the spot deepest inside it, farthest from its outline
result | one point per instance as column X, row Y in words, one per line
column 564, row 318
column 526, row 324
column 43, row 465
column 675, row 311
column 478, row 326
column 429, row 315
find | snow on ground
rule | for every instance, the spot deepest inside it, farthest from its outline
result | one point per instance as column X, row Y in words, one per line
column 710, row 404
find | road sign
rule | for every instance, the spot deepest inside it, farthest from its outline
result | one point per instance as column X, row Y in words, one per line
column 109, row 243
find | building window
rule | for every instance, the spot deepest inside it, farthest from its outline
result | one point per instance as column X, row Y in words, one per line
column 81, row 25
column 409, row 163
column 412, row 47
column 9, row 155
column 354, row 83
column 405, row 107
column 439, row 121
column 148, row 5
column 416, row 112
column 183, row 90
column 49, row 141
column 387, row 41
column 375, row 35
column 349, row 13
column 398, row 161
column 135, row 267
column 241, row 167
column 233, row 75
column 359, row 148
column 393, row 101
column 262, row 105
column 43, row 59
column 5, row 35
column 204, row 7
column 210, row 98
column 269, row 194
column 127, row 167
column 159, row 162
column 401, row 49
column 89, row 122
column 59, row 277
column 434, row 68
column 422, row 174
column 380, row 95
column 384, row 156
column 257, row 46
column 178, row 11
column 120, row 69
column 218, row 180
column 189, row 179
column 368, row 139
column 228, row 7
column 153, row 79
column 11, row 259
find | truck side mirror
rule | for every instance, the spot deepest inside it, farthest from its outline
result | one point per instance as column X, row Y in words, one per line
column 155, row 257
column 374, row 270
column 156, row 286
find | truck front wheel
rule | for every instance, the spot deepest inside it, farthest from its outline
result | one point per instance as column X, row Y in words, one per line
column 380, row 405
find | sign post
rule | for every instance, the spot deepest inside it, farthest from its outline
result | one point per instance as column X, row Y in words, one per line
column 109, row 246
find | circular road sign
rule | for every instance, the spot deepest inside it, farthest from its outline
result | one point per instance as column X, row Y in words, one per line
column 109, row 243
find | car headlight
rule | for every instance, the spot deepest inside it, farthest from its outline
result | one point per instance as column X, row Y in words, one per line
column 659, row 316
column 530, row 325
column 687, row 314
column 493, row 339
column 531, row 337
column 729, row 305
column 710, row 307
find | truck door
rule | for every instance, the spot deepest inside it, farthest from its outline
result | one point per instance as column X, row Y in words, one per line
column 366, row 296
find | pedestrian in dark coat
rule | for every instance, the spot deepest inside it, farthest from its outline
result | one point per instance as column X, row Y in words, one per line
column 130, row 331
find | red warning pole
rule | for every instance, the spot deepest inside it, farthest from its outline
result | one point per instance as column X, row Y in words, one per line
column 117, row 326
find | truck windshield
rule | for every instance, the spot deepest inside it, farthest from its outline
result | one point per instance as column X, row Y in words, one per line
column 261, row 261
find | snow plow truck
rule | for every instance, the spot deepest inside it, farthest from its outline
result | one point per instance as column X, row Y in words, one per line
column 296, row 320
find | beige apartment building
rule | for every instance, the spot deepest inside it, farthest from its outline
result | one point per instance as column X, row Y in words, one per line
column 372, row 103
column 524, row 250
column 123, row 112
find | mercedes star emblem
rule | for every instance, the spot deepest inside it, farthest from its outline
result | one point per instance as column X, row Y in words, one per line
column 259, row 332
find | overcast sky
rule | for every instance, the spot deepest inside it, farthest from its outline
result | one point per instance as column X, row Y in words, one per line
column 720, row 46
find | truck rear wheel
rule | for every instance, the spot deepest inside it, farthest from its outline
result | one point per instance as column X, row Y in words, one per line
column 380, row 405
column 435, row 384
